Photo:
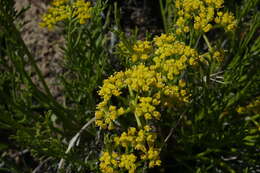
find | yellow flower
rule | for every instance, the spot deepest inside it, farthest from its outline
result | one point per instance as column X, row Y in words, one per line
column 147, row 128
column 240, row 110
column 131, row 131
column 182, row 83
column 128, row 162
column 82, row 10
column 59, row 2
column 207, row 28
column 201, row 14
column 107, row 162
column 63, row 9
column 142, row 50
column 227, row 20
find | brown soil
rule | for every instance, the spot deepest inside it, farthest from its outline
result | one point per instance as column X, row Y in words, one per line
column 44, row 44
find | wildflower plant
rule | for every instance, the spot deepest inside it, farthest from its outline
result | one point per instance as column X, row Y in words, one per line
column 186, row 100
column 165, row 79
column 153, row 85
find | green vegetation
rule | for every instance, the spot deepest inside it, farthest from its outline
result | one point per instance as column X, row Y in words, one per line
column 186, row 100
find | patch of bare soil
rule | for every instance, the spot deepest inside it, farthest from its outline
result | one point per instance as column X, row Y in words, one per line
column 43, row 44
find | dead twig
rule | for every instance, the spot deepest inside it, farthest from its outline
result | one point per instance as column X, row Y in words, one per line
column 73, row 141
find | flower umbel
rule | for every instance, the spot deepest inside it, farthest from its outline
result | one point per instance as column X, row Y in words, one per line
column 62, row 10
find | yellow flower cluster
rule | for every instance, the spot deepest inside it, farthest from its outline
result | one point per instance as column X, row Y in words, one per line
column 57, row 3
column 202, row 13
column 167, row 46
column 142, row 141
column 142, row 50
column 112, row 86
column 82, row 11
column 227, row 20
column 147, row 108
column 107, row 162
column 64, row 9
column 137, row 139
column 58, row 12
column 110, row 163
column 141, row 78
column 173, row 57
column 153, row 156
column 105, row 117
column 177, row 93
column 128, row 162
column 141, row 91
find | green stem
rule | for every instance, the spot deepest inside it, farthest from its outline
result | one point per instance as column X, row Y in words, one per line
column 207, row 42
column 163, row 16
column 133, row 105
column 117, row 16
column 197, row 41
column 139, row 124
